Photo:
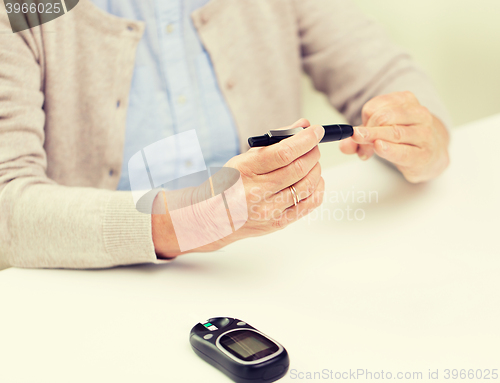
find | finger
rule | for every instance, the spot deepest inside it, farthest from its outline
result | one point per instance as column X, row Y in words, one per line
column 304, row 188
column 293, row 173
column 397, row 134
column 294, row 213
column 267, row 159
column 300, row 123
column 348, row 146
column 402, row 114
column 382, row 101
column 365, row 151
column 399, row 154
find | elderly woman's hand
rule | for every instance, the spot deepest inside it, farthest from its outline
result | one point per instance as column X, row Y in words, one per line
column 397, row 128
column 264, row 203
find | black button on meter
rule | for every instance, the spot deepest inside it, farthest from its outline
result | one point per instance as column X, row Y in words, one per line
column 239, row 350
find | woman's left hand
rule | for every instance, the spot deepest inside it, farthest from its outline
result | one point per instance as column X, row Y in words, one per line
column 397, row 128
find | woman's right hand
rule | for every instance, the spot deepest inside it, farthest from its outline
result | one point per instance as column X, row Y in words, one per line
column 267, row 174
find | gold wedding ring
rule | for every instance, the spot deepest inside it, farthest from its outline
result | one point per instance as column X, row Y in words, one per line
column 295, row 195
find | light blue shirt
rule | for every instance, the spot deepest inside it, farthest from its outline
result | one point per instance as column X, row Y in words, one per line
column 174, row 87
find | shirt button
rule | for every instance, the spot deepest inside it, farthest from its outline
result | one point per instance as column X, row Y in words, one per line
column 111, row 172
column 131, row 27
column 118, row 103
column 204, row 19
column 170, row 28
column 230, row 84
column 181, row 99
column 188, row 164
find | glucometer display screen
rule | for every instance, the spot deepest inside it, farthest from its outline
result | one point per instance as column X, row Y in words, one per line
column 248, row 345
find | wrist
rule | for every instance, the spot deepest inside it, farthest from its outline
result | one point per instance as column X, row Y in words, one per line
column 162, row 228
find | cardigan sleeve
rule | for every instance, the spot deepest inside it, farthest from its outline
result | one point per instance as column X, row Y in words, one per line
column 44, row 224
column 351, row 59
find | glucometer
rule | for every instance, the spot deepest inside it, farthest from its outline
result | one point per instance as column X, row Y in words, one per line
column 239, row 350
column 332, row 133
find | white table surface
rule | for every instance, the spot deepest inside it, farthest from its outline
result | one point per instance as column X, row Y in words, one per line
column 412, row 287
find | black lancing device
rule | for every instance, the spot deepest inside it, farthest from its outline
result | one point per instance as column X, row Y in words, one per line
column 240, row 351
column 332, row 133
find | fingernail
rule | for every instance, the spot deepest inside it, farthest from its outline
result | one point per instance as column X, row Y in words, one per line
column 364, row 157
column 362, row 132
column 383, row 145
column 319, row 131
column 303, row 123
